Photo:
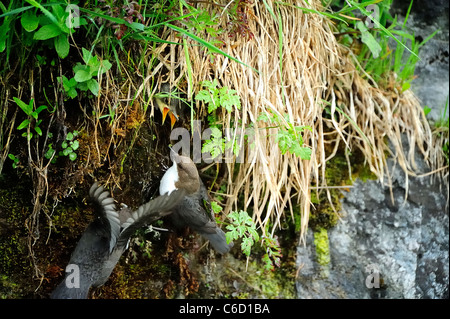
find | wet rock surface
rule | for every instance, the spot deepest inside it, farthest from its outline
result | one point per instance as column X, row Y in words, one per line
column 402, row 242
column 402, row 245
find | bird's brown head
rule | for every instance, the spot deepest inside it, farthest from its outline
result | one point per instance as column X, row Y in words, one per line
column 188, row 178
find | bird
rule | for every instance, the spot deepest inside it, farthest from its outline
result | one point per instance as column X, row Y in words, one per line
column 106, row 238
column 167, row 104
column 194, row 210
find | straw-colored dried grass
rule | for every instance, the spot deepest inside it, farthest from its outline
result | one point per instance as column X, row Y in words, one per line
column 315, row 67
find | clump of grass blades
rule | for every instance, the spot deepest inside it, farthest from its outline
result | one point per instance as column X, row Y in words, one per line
column 301, row 70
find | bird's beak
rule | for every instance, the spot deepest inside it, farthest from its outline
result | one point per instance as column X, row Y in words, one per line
column 173, row 119
column 164, row 113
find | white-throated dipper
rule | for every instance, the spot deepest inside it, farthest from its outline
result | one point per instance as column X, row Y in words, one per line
column 105, row 240
column 191, row 211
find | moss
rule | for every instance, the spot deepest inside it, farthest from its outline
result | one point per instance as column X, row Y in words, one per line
column 257, row 283
column 324, row 214
column 15, row 265
column 9, row 289
column 322, row 246
column 13, row 248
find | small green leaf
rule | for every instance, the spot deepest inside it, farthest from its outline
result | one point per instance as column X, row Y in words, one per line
column 82, row 76
column 62, row 45
column 11, row 156
column 23, row 124
column 72, row 156
column 246, row 245
column 29, row 136
column 4, row 29
column 28, row 109
column 72, row 82
column 267, row 262
column 305, row 153
column 106, row 65
column 93, row 86
column 72, row 93
column 75, row 144
column 69, row 136
column 38, row 130
column 67, row 151
column 264, row 117
column 369, row 40
column 230, row 99
column 253, row 232
column 284, row 141
column 29, row 21
column 64, row 145
column 216, row 207
column 229, row 237
column 82, row 86
column 49, row 153
column 405, row 86
column 86, row 55
column 47, row 32
column 426, row 110
column 40, row 109
column 204, row 96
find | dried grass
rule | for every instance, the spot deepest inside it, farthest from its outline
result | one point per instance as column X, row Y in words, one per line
column 314, row 68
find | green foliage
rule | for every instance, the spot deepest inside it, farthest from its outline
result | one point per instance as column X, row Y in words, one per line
column 32, row 114
column 441, row 128
column 202, row 21
column 380, row 65
column 84, row 75
column 216, row 207
column 215, row 97
column 443, row 120
column 369, row 40
column 289, row 137
column 69, row 86
column 376, row 56
column 53, row 24
column 273, row 253
column 242, row 227
column 216, row 144
column 69, row 147
column 15, row 160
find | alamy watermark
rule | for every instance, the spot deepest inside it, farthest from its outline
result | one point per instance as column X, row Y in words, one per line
column 73, row 276
column 73, row 20
column 375, row 15
column 373, row 279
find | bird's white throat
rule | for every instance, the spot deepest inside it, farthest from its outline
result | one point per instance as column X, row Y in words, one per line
column 167, row 185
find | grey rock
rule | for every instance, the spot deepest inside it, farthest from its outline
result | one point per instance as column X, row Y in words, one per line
column 405, row 241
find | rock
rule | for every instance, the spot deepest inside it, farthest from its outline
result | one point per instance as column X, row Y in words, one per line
column 404, row 242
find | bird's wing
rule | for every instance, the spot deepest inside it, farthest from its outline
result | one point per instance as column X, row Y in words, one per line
column 193, row 214
column 206, row 202
column 106, row 211
column 148, row 213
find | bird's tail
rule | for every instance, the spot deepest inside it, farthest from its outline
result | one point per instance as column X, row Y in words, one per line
column 218, row 241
